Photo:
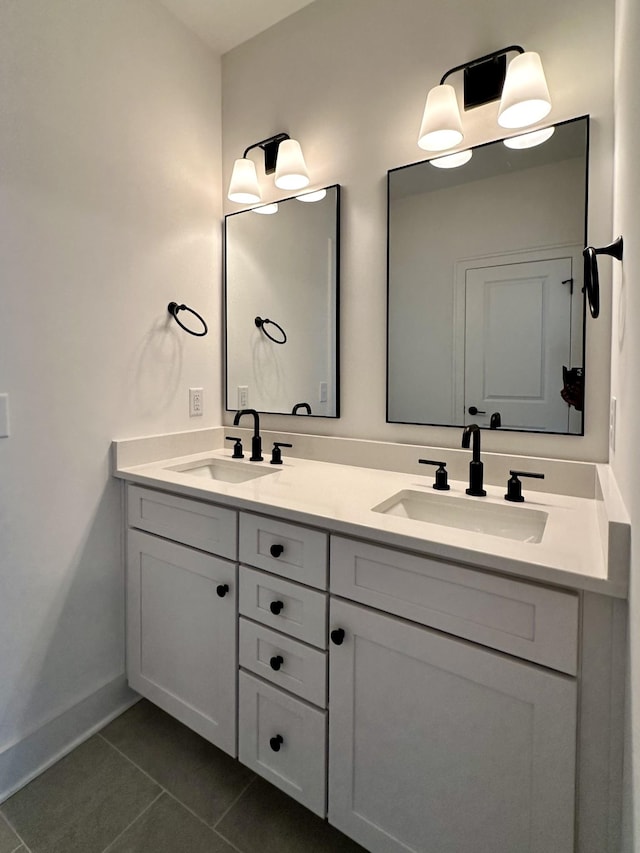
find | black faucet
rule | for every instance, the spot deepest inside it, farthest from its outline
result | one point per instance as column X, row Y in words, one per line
column 475, row 466
column 256, row 441
column 297, row 406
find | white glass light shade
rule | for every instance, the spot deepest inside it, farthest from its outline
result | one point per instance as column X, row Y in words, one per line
column 441, row 126
column 316, row 195
column 291, row 170
column 265, row 209
column 243, row 187
column 451, row 161
column 525, row 96
column 531, row 139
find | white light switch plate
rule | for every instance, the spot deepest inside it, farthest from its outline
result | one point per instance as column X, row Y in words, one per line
column 4, row 416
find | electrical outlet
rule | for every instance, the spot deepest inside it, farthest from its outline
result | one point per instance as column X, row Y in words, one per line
column 612, row 422
column 195, row 402
column 243, row 396
column 322, row 394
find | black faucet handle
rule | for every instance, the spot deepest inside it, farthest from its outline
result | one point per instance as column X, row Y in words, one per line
column 237, row 447
column 276, row 453
column 441, row 483
column 514, row 486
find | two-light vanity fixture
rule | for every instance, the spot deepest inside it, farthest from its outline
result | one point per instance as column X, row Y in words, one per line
column 521, row 88
column 282, row 155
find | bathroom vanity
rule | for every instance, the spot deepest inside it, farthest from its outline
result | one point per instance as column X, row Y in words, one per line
column 426, row 685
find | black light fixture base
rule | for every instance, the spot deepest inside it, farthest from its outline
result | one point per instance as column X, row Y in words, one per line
column 270, row 147
column 484, row 77
column 484, row 81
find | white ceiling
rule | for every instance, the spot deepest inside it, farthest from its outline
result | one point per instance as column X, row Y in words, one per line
column 223, row 24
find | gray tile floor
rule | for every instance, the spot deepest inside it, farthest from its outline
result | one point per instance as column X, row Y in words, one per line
column 147, row 784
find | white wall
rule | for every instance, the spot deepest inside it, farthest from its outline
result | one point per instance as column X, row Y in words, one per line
column 349, row 80
column 109, row 209
column 626, row 370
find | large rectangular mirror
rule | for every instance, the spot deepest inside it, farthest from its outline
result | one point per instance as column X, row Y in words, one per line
column 281, row 304
column 485, row 292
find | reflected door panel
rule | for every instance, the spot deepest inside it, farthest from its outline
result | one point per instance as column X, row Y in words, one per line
column 517, row 339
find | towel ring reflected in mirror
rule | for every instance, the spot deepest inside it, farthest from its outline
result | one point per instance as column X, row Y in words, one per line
column 260, row 323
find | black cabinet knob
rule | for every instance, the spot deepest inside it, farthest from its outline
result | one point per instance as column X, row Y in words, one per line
column 222, row 589
column 276, row 606
column 337, row 636
column 276, row 662
column 474, row 410
column 276, row 742
column 276, row 550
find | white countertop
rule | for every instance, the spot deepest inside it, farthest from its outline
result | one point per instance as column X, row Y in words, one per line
column 581, row 548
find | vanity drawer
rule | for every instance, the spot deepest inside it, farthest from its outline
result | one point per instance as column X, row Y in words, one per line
column 284, row 740
column 293, row 552
column 297, row 610
column 289, row 664
column 522, row 619
column 201, row 525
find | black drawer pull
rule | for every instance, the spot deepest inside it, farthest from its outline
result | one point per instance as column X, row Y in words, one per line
column 276, row 662
column 275, row 607
column 276, row 550
column 222, row 589
column 276, row 742
column 337, row 636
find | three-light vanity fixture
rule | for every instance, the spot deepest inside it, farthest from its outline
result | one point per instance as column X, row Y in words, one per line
column 521, row 88
column 283, row 156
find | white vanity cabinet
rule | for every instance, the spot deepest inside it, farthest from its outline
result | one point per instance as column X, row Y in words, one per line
column 438, row 744
column 421, row 705
column 181, row 611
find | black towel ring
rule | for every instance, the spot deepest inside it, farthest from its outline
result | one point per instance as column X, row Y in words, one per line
column 591, row 277
column 260, row 323
column 173, row 309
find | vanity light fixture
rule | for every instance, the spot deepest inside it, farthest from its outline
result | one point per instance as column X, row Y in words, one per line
column 531, row 139
column 452, row 161
column 521, row 88
column 266, row 209
column 282, row 155
column 315, row 195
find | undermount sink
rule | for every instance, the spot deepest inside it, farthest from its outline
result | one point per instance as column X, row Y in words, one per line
column 216, row 469
column 509, row 522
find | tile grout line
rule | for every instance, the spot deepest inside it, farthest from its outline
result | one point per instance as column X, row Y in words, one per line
column 135, row 820
column 184, row 805
column 137, row 766
column 240, row 795
column 23, row 843
column 204, row 823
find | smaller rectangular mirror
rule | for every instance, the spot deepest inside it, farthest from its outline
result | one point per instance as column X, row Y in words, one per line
column 485, row 290
column 281, row 306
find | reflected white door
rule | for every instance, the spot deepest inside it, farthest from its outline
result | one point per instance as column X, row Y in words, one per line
column 517, row 338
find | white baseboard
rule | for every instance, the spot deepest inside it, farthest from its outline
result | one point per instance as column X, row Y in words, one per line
column 22, row 761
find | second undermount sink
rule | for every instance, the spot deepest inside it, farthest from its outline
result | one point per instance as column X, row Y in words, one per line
column 217, row 469
column 509, row 522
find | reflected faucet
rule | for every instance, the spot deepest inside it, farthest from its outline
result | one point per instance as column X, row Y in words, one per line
column 256, row 441
column 476, row 467
column 297, row 406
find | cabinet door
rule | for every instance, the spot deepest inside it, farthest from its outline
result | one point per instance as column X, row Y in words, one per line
column 439, row 745
column 181, row 634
